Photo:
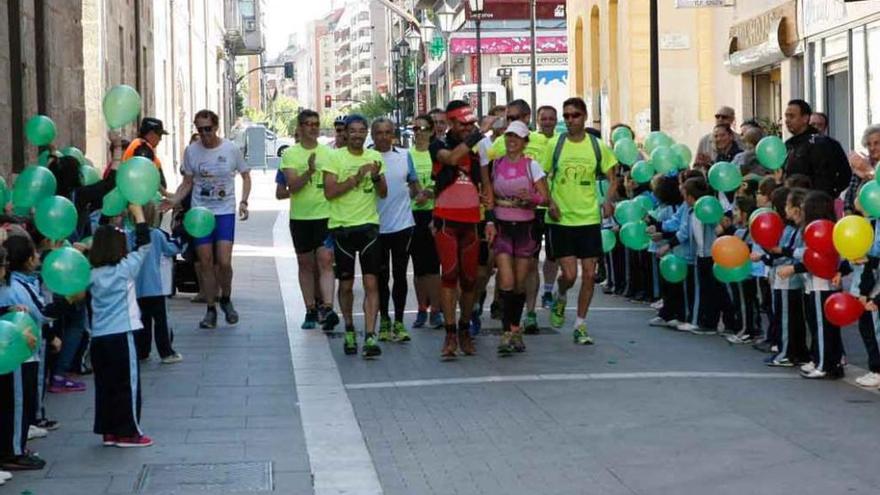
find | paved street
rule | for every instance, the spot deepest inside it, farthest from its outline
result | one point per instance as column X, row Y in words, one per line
column 265, row 406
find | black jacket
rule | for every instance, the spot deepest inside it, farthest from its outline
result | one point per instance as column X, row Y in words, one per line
column 820, row 158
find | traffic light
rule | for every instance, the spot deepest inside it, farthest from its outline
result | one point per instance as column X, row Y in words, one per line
column 289, row 70
column 328, row 101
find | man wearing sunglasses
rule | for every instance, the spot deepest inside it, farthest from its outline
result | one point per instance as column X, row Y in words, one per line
column 339, row 129
column 209, row 168
column 573, row 217
column 706, row 151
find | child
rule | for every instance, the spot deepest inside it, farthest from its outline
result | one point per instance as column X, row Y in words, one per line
column 667, row 218
column 745, row 293
column 788, row 291
column 115, row 319
column 16, row 415
column 153, row 287
column 765, row 292
column 864, row 286
column 826, row 351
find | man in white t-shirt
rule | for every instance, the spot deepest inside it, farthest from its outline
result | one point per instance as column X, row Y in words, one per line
column 395, row 229
column 209, row 168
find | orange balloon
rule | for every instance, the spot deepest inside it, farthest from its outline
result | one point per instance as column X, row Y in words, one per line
column 730, row 251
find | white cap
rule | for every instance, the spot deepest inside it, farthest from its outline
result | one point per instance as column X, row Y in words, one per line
column 518, row 128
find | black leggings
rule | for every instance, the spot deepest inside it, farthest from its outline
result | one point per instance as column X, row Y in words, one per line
column 395, row 259
column 18, row 407
column 154, row 317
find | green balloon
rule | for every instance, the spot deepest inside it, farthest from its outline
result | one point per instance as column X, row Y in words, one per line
column 758, row 212
column 33, row 184
column 869, row 198
column 645, row 202
column 609, row 240
column 24, row 322
column 14, row 348
column 66, row 271
column 621, row 133
column 626, row 151
column 199, row 222
column 40, row 130
column 55, row 217
column 634, row 235
column 86, row 241
column 74, row 152
column 708, row 210
column 683, row 153
column 732, row 275
column 628, row 211
column 138, row 180
column 725, row 177
column 89, row 175
column 656, row 139
column 673, row 268
column 44, row 156
column 642, row 172
column 5, row 196
column 114, row 203
column 663, row 160
column 771, row 152
column 121, row 105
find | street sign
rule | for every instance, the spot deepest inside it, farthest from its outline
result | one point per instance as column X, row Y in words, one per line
column 690, row 4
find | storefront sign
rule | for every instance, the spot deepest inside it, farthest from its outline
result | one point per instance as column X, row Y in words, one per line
column 754, row 31
column 675, row 41
column 517, row 44
column 526, row 60
column 689, row 4
column 497, row 10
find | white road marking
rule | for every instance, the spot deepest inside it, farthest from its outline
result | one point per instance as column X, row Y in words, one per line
column 338, row 455
column 562, row 377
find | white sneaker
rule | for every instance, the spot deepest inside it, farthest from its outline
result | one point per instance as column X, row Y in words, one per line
column 657, row 322
column 5, row 475
column 687, row 327
column 37, row 432
column 870, row 380
column 174, row 358
column 808, row 367
column 673, row 323
column 657, row 304
column 740, row 339
column 815, row 374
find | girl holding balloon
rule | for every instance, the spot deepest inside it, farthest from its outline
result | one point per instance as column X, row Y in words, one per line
column 804, row 207
column 664, row 222
column 744, row 294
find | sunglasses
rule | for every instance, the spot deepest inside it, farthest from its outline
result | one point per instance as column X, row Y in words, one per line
column 205, row 129
column 722, row 116
column 422, row 128
column 568, row 116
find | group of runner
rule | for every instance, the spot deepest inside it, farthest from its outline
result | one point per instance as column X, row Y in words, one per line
column 467, row 197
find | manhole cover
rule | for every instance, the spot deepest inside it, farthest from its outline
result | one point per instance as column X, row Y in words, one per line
column 210, row 478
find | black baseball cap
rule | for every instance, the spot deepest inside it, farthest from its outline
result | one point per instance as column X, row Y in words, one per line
column 151, row 124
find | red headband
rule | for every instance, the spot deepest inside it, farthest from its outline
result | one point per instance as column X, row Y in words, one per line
column 464, row 115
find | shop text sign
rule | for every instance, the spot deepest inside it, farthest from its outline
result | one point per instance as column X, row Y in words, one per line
column 691, row 4
column 526, row 60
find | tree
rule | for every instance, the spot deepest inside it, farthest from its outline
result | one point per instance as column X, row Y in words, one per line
column 281, row 116
column 377, row 106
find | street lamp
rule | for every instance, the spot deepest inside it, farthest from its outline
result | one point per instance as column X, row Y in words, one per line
column 403, row 48
column 395, row 59
column 446, row 18
column 477, row 7
column 427, row 33
column 414, row 39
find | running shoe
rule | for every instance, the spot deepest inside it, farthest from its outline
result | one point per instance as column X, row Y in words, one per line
column 133, row 442
column 436, row 319
column 371, row 347
column 547, row 300
column 384, row 330
column 231, row 316
column 399, row 333
column 557, row 313
column 210, row 319
column 311, row 320
column 349, row 344
column 516, row 340
column 465, row 341
column 505, row 348
column 658, row 304
column 476, row 324
column 108, row 440
column 780, row 363
column 421, row 319
column 808, row 367
column 580, row 335
column 740, row 339
column 870, row 380
column 60, row 384
column 815, row 374
column 530, row 325
column 657, row 322
column 330, row 321
column 450, row 346
column 172, row 359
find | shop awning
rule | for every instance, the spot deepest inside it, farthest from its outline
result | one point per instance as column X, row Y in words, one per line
column 763, row 40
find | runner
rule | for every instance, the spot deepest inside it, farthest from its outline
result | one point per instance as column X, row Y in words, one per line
column 353, row 182
column 519, row 186
column 426, row 264
column 209, row 168
column 547, row 119
column 457, row 175
column 395, row 228
column 573, row 217
column 301, row 165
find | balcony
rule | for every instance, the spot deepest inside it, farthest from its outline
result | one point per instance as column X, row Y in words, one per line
column 244, row 33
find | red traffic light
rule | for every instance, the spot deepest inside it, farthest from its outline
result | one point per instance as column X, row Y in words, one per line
column 328, row 101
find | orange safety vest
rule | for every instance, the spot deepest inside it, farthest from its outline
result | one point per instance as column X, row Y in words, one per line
column 135, row 144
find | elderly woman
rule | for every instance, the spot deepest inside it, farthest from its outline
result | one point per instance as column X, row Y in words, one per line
column 862, row 166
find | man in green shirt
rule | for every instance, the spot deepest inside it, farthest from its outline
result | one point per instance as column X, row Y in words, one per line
column 353, row 182
column 309, row 211
column 573, row 216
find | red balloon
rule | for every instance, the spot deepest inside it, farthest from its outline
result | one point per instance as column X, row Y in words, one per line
column 843, row 309
column 766, row 229
column 818, row 236
column 820, row 264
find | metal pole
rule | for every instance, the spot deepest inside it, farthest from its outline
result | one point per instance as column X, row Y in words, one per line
column 479, row 74
column 448, row 71
column 655, row 69
column 534, row 64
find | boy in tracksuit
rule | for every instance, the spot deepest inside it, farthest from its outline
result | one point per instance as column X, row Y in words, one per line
column 745, row 294
column 788, row 297
column 677, row 298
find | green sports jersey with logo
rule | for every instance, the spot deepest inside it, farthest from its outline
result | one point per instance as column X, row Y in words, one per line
column 309, row 202
column 573, row 184
column 358, row 206
column 424, row 166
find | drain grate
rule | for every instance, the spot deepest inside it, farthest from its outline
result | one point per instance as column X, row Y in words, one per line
column 209, row 478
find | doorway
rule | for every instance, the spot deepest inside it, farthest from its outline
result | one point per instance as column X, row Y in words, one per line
column 837, row 101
